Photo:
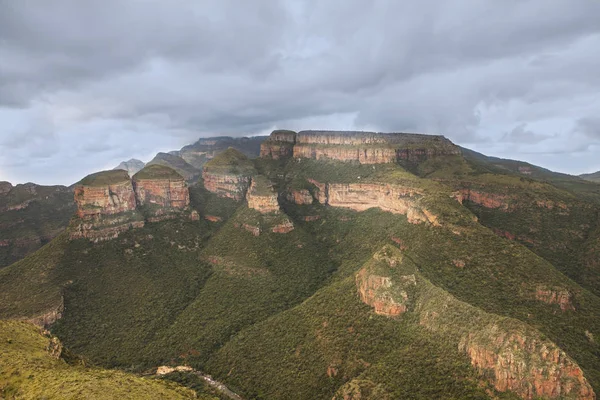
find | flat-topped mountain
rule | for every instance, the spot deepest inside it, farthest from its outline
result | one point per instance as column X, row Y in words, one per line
column 364, row 147
column 110, row 202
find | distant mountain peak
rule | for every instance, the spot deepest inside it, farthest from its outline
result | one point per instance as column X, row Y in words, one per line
column 132, row 166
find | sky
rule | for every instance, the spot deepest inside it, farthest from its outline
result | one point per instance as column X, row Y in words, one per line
column 87, row 84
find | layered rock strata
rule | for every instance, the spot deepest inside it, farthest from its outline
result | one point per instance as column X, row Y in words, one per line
column 371, row 147
column 279, row 145
column 228, row 174
column 261, row 196
column 109, row 202
column 507, row 353
column 226, row 185
column 393, row 198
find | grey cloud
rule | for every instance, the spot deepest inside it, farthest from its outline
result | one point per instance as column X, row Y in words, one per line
column 119, row 75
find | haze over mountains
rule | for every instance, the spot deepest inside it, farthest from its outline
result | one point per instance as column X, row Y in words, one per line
column 327, row 265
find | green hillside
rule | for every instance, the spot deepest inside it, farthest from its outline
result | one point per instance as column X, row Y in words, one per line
column 31, row 367
column 280, row 315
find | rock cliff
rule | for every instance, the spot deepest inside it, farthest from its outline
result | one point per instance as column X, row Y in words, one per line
column 228, row 174
column 370, row 147
column 279, row 145
column 109, row 202
column 507, row 353
column 393, row 198
column 261, row 196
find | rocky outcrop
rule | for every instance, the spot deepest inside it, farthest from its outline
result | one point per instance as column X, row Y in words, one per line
column 374, row 291
column 111, row 198
column 49, row 317
column 529, row 366
column 170, row 193
column 559, row 296
column 226, row 185
column 485, row 199
column 109, row 202
column 261, row 196
column 392, row 198
column 371, row 147
column 177, row 163
column 228, row 174
column 5, row 187
column 507, row 353
column 279, row 145
column 133, row 166
column 299, row 196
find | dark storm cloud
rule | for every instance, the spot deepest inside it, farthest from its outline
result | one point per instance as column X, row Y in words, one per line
column 88, row 83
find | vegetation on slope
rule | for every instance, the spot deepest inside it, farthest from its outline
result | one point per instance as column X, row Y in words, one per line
column 31, row 368
column 104, row 178
column 157, row 171
column 30, row 216
column 231, row 161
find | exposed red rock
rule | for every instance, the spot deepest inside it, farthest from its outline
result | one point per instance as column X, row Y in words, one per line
column 300, row 197
column 559, row 296
column 167, row 193
column 284, row 227
column 486, row 199
column 105, row 200
column 368, row 287
column 548, row 372
column 371, row 147
column 392, row 198
column 309, row 218
column 261, row 196
column 279, row 145
column 226, row 185
column 213, row 218
column 254, row 230
column 321, row 191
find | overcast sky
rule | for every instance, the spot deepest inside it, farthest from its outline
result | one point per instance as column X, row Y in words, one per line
column 86, row 84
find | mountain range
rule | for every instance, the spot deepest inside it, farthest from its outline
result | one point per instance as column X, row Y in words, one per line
column 305, row 265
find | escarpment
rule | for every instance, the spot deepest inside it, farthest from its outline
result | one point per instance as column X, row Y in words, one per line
column 109, row 202
column 394, row 198
column 362, row 147
column 507, row 353
column 228, row 174
column 261, row 196
column 279, row 145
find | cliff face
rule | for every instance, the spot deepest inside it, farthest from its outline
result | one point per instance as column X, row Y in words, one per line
column 261, row 196
column 226, row 185
column 228, row 174
column 109, row 203
column 371, row 147
column 507, row 353
column 279, row 145
column 113, row 198
column 162, row 192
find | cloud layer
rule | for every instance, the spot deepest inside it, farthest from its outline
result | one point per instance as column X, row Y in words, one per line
column 86, row 84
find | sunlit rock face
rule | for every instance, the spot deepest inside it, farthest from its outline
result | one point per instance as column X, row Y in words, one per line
column 371, row 147
column 109, row 202
column 279, row 145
